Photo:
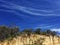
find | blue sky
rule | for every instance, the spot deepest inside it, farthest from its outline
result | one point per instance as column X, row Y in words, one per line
column 43, row 14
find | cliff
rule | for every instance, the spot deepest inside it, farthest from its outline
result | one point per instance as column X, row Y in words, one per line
column 24, row 40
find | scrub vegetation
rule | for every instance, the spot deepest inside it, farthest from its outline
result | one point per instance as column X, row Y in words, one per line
column 8, row 33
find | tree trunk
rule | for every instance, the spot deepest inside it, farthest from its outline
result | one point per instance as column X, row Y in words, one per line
column 53, row 40
column 58, row 41
column 50, row 40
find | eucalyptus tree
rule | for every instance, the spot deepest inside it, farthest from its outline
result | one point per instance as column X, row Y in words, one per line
column 53, row 35
column 8, row 33
column 28, row 32
column 48, row 33
column 3, row 32
column 38, row 31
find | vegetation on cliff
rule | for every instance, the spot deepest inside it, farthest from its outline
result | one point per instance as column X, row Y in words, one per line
column 8, row 33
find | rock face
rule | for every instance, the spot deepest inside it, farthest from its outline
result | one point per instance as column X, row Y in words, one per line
column 23, row 40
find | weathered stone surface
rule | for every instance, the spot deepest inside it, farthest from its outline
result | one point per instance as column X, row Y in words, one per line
column 48, row 40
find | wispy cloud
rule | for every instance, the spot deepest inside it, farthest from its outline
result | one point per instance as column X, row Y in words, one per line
column 17, row 9
column 28, row 10
column 48, row 26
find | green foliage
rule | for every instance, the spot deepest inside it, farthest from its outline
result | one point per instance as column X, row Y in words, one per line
column 8, row 33
column 43, row 33
column 38, row 31
column 27, row 31
column 53, row 33
column 11, row 32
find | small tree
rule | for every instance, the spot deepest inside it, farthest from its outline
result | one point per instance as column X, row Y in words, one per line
column 28, row 32
column 7, row 33
column 38, row 31
column 53, row 34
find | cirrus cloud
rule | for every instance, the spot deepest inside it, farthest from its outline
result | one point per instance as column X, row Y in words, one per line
column 32, row 11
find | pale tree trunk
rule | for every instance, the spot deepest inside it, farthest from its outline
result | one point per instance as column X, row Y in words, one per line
column 50, row 40
column 53, row 40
